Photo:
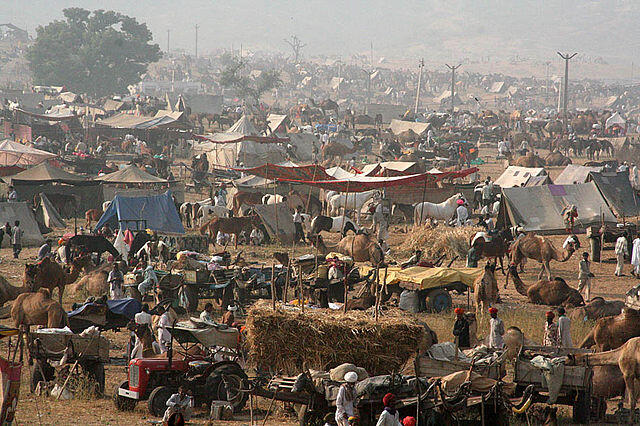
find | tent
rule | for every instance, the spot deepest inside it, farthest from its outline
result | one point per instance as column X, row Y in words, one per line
column 130, row 174
column 518, row 176
column 47, row 214
column 400, row 126
column 617, row 191
column 538, row 181
column 574, row 173
column 155, row 212
column 46, row 173
column 277, row 220
column 539, row 208
column 15, row 154
column 615, row 119
column 10, row 212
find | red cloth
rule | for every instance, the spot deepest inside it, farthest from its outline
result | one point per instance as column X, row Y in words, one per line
column 389, row 400
column 128, row 237
column 493, row 310
column 409, row 421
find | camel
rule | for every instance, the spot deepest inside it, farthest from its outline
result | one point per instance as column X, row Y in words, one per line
column 556, row 158
column 626, row 357
column 541, row 249
column 485, row 289
column 248, row 198
column 553, row 292
column 92, row 215
column 529, row 160
column 596, row 309
column 611, row 332
column 95, row 282
column 361, row 248
column 496, row 248
column 49, row 274
column 38, row 309
column 9, row 292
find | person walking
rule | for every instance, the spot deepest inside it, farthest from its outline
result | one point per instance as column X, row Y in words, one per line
column 297, row 223
column 115, row 280
column 635, row 257
column 621, row 250
column 564, row 329
column 346, row 399
column 487, row 192
column 550, row 337
column 16, row 239
column 461, row 329
column 584, row 276
column 496, row 329
column 389, row 416
column 462, row 214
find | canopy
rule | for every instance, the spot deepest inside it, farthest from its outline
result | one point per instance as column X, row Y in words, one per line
column 422, row 278
column 399, row 126
column 275, row 121
column 360, row 183
column 15, row 154
column 208, row 337
column 616, row 118
column 574, row 173
column 130, row 174
column 155, row 212
column 293, row 171
column 46, row 173
column 539, row 208
column 518, row 176
column 48, row 116
column 617, row 192
column 123, row 120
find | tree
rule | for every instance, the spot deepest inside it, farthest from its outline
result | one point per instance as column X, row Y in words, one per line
column 246, row 86
column 99, row 52
column 296, row 45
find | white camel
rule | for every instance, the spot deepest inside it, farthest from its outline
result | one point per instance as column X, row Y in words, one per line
column 441, row 211
column 208, row 212
column 350, row 201
column 273, row 199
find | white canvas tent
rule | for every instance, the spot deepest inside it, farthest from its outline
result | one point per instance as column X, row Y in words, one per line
column 400, row 126
column 15, row 154
column 10, row 212
column 518, row 176
column 47, row 214
column 616, row 118
column 574, row 173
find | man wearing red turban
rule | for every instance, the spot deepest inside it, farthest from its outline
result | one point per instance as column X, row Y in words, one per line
column 389, row 416
column 496, row 330
column 461, row 328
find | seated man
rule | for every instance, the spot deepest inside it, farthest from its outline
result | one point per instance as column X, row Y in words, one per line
column 178, row 405
column 150, row 279
column 206, row 314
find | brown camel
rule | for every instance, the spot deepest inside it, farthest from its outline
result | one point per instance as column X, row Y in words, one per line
column 596, row 309
column 627, row 358
column 92, row 215
column 612, row 332
column 248, row 198
column 553, row 292
column 9, row 292
column 556, row 158
column 229, row 225
column 38, row 309
column 95, row 282
column 529, row 160
column 541, row 249
column 50, row 274
column 485, row 289
column 495, row 249
column 361, row 248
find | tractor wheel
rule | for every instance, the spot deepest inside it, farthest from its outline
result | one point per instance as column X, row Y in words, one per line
column 158, row 398
column 123, row 403
column 438, row 300
column 237, row 380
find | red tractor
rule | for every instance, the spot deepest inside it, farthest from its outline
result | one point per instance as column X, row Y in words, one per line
column 156, row 379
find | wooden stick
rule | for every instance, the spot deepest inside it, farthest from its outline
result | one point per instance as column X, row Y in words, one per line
column 270, row 407
column 273, row 286
column 301, row 287
column 251, row 408
column 346, row 290
column 377, row 305
column 286, row 283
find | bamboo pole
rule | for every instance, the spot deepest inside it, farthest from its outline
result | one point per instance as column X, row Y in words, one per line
column 377, row 306
column 273, row 286
column 301, row 287
column 286, row 283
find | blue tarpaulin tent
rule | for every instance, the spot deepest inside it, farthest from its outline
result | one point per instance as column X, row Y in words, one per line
column 155, row 212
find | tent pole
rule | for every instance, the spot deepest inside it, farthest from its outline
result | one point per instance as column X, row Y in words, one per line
column 424, row 190
column 315, row 169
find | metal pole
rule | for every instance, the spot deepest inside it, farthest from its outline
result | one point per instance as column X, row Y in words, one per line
column 453, row 86
column 168, row 39
column 565, row 97
column 420, row 67
column 197, row 26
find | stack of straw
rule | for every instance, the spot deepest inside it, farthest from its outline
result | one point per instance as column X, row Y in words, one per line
column 291, row 341
column 434, row 242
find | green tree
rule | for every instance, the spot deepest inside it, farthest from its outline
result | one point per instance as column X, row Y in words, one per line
column 247, row 87
column 99, row 52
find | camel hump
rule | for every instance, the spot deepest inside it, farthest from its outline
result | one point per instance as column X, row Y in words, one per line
column 45, row 292
column 560, row 280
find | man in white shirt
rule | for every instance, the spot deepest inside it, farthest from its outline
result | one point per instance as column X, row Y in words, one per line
column 621, row 250
column 564, row 329
column 635, row 256
column 12, row 197
column 179, row 404
column 297, row 223
column 462, row 213
column 164, row 336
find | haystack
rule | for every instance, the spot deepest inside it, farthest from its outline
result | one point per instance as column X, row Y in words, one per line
column 434, row 242
column 322, row 339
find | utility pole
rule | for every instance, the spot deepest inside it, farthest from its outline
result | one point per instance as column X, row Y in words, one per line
column 565, row 93
column 197, row 26
column 546, row 84
column 420, row 67
column 453, row 86
column 168, row 38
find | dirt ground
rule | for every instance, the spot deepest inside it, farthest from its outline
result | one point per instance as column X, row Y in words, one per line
column 514, row 311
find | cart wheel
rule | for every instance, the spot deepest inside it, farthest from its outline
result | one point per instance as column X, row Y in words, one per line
column 308, row 417
column 123, row 403
column 237, row 380
column 95, row 372
column 438, row 300
column 157, row 403
column 36, row 374
column 190, row 296
column 582, row 407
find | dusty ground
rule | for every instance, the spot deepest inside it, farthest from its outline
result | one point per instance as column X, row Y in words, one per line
column 514, row 311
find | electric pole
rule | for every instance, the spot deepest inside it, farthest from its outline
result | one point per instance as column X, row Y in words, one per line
column 565, row 93
column 546, row 84
column 420, row 67
column 197, row 26
column 453, row 86
column 168, row 38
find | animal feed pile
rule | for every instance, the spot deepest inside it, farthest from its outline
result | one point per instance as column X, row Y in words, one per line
column 435, row 242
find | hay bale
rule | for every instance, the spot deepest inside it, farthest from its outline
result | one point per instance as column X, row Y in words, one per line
column 434, row 242
column 291, row 341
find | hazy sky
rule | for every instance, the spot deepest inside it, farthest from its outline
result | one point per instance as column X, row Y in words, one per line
column 433, row 28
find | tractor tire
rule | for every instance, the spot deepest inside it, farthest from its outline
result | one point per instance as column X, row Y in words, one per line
column 95, row 373
column 438, row 300
column 158, row 398
column 122, row 403
column 238, row 380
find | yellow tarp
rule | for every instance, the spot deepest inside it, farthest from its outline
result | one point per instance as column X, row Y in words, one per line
column 421, row 278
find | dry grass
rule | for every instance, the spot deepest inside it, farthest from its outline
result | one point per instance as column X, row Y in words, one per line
column 434, row 242
column 321, row 339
